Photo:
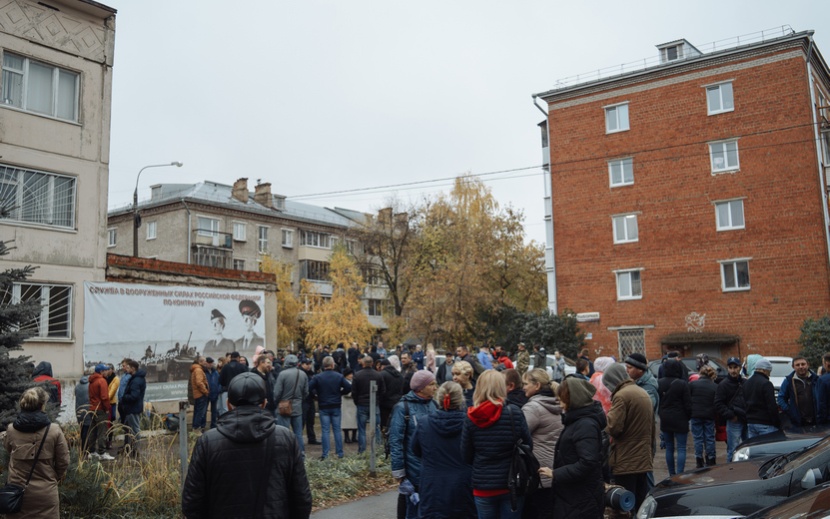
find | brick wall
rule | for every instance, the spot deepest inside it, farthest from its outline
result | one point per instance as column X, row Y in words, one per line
column 169, row 267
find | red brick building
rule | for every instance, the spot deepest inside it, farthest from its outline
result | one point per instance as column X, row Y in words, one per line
column 689, row 199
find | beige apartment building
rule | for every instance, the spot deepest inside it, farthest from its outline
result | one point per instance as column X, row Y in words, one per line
column 56, row 89
column 223, row 226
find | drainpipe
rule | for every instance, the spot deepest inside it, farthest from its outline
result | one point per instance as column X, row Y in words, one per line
column 550, row 256
column 817, row 137
column 189, row 232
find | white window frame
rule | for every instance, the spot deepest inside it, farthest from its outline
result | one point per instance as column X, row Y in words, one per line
column 729, row 225
column 262, row 239
column 287, row 238
column 626, row 220
column 732, row 264
column 112, row 237
column 212, row 230
column 719, row 88
column 152, row 230
column 629, row 273
column 42, row 320
column 238, row 264
column 240, row 231
column 374, row 307
column 720, row 147
column 621, row 165
column 38, row 198
column 613, row 113
column 317, row 239
column 26, row 77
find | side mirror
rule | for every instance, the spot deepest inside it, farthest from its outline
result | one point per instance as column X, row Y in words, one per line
column 811, row 479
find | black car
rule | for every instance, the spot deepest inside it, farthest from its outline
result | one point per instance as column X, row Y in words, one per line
column 779, row 442
column 691, row 366
column 810, row 504
column 739, row 489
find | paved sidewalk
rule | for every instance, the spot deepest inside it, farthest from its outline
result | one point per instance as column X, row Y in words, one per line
column 380, row 506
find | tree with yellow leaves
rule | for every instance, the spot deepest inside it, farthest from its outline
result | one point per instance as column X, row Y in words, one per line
column 289, row 305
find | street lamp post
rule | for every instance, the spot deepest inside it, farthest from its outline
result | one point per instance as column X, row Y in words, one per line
column 136, row 219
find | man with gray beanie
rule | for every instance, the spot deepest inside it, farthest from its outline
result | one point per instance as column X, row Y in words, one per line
column 761, row 407
column 291, row 386
column 631, row 427
column 247, row 466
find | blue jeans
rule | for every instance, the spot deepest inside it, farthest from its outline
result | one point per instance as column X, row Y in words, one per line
column 757, row 429
column 294, row 423
column 679, row 440
column 703, row 432
column 200, row 413
column 498, row 507
column 362, row 422
column 331, row 418
column 735, row 434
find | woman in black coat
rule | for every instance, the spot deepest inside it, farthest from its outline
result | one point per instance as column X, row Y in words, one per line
column 675, row 412
column 702, row 393
column 577, row 460
column 446, row 488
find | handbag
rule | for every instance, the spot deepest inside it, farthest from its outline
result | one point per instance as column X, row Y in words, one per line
column 523, row 478
column 11, row 495
column 284, row 407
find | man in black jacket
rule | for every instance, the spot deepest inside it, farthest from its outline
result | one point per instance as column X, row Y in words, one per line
column 230, row 370
column 761, row 407
column 330, row 386
column 730, row 405
column 361, row 387
column 248, row 466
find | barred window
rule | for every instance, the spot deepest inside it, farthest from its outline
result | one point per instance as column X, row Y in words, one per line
column 631, row 341
column 54, row 321
column 37, row 197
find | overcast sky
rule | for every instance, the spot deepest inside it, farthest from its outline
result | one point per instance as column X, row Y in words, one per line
column 318, row 96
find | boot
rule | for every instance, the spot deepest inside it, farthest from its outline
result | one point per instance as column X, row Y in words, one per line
column 711, row 461
column 699, row 462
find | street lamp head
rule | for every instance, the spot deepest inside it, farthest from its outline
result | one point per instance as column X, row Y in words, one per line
column 177, row 163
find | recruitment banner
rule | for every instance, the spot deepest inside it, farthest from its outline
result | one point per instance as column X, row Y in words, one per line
column 165, row 327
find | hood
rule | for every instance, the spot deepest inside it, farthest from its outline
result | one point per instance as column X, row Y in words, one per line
column 31, row 421
column 194, row 367
column 94, row 377
column 485, row 414
column 392, row 371
column 44, row 368
column 140, row 373
column 246, row 424
column 447, row 424
column 592, row 412
column 751, row 360
column 84, row 380
column 549, row 402
column 615, row 374
column 673, row 369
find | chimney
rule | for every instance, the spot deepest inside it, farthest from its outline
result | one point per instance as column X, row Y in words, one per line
column 385, row 215
column 240, row 190
column 262, row 195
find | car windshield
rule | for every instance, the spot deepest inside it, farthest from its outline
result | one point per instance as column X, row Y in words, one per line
column 780, row 369
column 801, row 458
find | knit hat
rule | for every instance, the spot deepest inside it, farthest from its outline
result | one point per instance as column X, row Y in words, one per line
column 101, row 368
column 421, row 379
column 581, row 392
column 637, row 360
column 763, row 364
column 246, row 389
column 614, row 375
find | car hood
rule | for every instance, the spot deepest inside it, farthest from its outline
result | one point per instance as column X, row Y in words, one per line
column 715, row 475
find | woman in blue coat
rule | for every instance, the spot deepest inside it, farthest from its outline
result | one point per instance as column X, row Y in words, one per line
column 446, row 490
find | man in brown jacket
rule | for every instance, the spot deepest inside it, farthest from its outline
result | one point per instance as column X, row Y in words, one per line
column 99, row 404
column 201, row 392
column 631, row 427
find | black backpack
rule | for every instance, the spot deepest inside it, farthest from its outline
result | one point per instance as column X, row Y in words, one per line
column 523, row 478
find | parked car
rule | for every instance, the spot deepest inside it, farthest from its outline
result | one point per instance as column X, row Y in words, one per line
column 779, row 442
column 691, row 365
column 570, row 365
column 813, row 503
column 741, row 488
column 781, row 367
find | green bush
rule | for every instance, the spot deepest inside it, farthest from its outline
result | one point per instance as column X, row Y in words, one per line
column 815, row 339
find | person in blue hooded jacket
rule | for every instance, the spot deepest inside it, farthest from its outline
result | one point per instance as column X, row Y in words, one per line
column 446, row 490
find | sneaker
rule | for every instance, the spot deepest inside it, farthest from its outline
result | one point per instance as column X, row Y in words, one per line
column 105, row 457
column 92, row 455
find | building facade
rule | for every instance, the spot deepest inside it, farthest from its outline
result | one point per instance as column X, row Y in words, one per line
column 56, row 91
column 689, row 199
column 222, row 226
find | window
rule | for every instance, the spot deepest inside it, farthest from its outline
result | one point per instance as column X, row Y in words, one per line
column 616, row 118
column 730, row 215
column 262, row 239
column 54, row 321
column 151, row 230
column 372, row 276
column 621, row 172
column 628, row 285
column 719, row 98
column 314, row 270
column 37, row 87
column 631, row 341
column 207, row 226
column 315, row 239
column 672, row 53
column 287, row 238
column 112, row 237
column 625, row 228
column 724, row 156
column 240, row 231
column 351, row 246
column 238, row 264
column 35, row 197
column 375, row 307
column 735, row 275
